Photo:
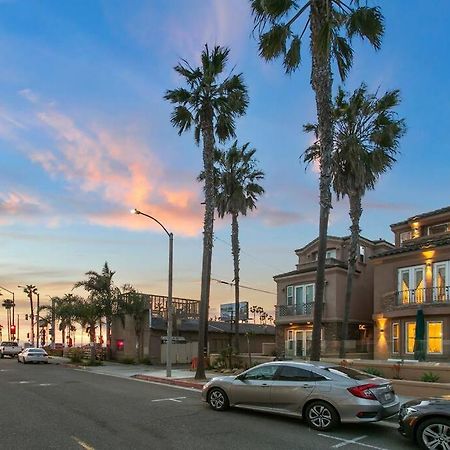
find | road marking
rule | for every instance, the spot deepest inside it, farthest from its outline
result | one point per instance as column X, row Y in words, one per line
column 345, row 442
column 176, row 399
column 82, row 444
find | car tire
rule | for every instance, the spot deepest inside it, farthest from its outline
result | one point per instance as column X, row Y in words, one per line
column 218, row 400
column 432, row 432
column 321, row 416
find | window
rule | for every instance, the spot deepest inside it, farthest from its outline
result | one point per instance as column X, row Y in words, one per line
column 261, row 373
column 434, row 337
column 331, row 253
column 362, row 254
column 438, row 229
column 406, row 235
column 290, row 373
column 395, row 337
column 410, row 334
column 290, row 295
column 411, row 285
column 441, row 290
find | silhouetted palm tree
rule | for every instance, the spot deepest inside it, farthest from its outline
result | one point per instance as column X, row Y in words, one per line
column 332, row 25
column 210, row 104
column 367, row 135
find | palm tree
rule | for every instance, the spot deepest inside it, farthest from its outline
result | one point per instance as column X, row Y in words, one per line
column 365, row 144
column 87, row 313
column 210, row 103
column 30, row 289
column 101, row 286
column 332, row 25
column 237, row 191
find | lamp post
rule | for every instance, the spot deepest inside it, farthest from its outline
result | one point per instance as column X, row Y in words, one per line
column 169, row 294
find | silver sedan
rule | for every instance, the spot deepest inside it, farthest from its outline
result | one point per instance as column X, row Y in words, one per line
column 34, row 355
column 323, row 394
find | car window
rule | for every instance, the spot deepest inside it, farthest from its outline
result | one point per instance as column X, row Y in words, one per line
column 261, row 373
column 348, row 373
column 291, row 373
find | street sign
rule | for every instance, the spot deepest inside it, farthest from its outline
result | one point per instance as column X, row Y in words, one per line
column 227, row 311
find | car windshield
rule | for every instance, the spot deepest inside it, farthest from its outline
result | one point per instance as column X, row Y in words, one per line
column 348, row 373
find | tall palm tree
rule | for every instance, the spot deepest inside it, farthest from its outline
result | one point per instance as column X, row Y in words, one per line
column 31, row 289
column 101, row 286
column 237, row 191
column 332, row 25
column 366, row 140
column 210, row 103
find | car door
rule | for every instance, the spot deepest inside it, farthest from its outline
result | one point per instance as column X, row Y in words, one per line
column 252, row 388
column 291, row 388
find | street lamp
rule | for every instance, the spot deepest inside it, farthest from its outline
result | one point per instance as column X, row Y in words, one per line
column 169, row 294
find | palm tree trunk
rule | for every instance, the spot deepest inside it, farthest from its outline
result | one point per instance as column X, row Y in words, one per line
column 321, row 81
column 235, row 250
column 355, row 215
column 208, row 229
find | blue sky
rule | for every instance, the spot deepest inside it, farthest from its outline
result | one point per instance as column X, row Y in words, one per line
column 85, row 135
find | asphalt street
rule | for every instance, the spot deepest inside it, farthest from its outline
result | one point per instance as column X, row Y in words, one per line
column 54, row 407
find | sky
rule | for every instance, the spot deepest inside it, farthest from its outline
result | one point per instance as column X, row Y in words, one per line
column 85, row 135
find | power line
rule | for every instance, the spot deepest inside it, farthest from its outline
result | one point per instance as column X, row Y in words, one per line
column 243, row 286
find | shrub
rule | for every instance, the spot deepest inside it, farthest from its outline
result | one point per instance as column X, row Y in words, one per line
column 374, row 371
column 127, row 361
column 76, row 355
column 429, row 377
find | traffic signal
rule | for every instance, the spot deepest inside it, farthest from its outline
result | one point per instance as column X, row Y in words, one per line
column 12, row 329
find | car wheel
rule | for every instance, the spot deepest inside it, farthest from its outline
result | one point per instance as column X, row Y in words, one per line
column 321, row 416
column 218, row 400
column 434, row 433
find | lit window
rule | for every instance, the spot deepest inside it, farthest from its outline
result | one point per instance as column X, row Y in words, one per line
column 410, row 336
column 395, row 337
column 434, row 337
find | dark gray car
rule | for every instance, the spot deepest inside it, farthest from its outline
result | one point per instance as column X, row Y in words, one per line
column 323, row 394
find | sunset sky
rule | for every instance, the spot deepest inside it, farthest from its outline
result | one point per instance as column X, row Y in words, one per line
column 85, row 136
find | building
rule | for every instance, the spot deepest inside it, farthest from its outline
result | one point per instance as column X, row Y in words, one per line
column 414, row 274
column 185, row 332
column 295, row 299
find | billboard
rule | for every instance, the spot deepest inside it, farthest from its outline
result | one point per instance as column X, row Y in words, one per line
column 227, row 311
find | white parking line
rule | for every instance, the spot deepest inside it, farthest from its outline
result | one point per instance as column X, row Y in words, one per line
column 176, row 399
column 345, row 442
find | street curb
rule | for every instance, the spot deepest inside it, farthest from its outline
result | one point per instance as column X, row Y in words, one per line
column 174, row 382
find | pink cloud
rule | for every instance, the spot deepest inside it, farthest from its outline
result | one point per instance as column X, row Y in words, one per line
column 123, row 171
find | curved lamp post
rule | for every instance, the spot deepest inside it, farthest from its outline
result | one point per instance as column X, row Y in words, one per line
column 169, row 294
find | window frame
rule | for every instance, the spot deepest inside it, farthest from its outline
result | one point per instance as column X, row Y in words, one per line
column 407, row 338
column 441, row 322
column 395, row 338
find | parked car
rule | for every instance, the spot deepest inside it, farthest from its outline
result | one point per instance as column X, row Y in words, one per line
column 323, row 394
column 34, row 355
column 426, row 421
column 9, row 348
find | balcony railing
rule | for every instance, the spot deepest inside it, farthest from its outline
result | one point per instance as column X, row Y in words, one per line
column 423, row 295
column 305, row 309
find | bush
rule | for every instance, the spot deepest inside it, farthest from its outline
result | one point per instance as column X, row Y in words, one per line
column 430, row 377
column 76, row 355
column 127, row 361
column 374, row 371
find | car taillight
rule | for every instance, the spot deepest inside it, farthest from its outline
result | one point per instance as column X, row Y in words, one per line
column 363, row 391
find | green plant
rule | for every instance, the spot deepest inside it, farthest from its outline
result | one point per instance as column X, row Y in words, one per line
column 76, row 355
column 127, row 360
column 430, row 377
column 374, row 371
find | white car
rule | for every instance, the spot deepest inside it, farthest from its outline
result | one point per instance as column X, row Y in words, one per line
column 34, row 355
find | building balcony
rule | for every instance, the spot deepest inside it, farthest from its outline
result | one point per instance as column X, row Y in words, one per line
column 434, row 295
column 289, row 313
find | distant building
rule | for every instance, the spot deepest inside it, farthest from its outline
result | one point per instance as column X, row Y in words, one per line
column 414, row 274
column 296, row 299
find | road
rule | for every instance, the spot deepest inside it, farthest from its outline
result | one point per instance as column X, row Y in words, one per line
column 54, row 407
